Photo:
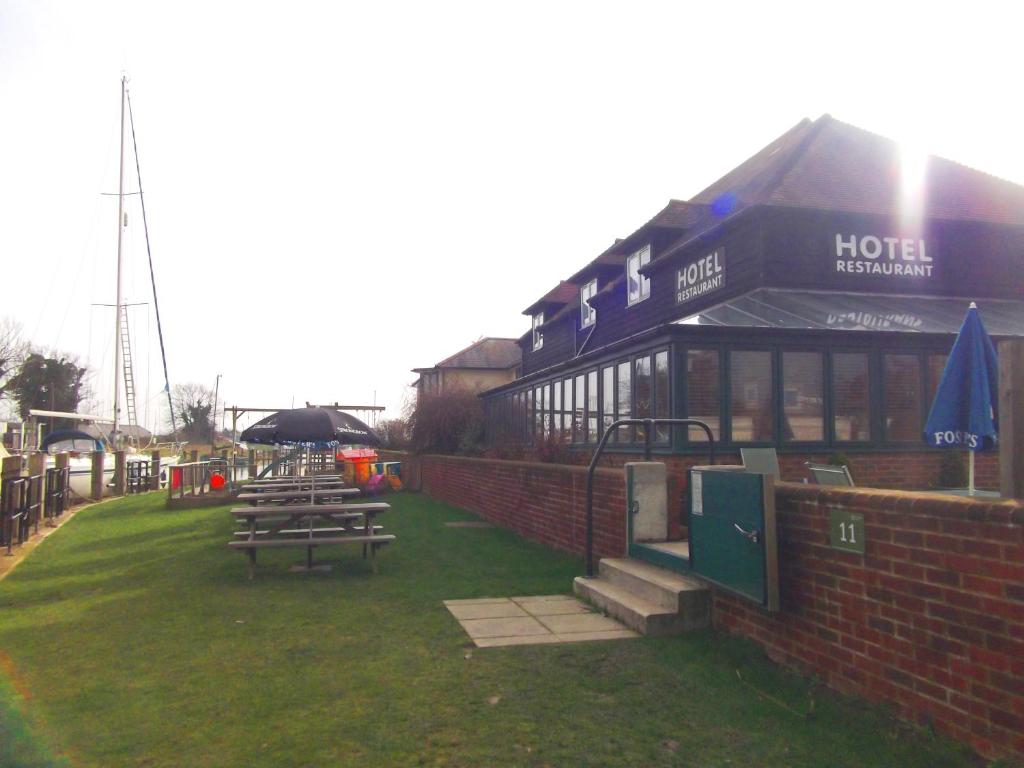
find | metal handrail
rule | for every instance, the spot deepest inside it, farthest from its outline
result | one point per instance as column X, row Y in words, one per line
column 647, row 424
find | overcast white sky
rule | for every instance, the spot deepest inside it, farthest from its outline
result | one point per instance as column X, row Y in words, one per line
column 340, row 192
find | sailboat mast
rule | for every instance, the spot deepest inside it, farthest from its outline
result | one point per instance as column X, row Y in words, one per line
column 115, row 437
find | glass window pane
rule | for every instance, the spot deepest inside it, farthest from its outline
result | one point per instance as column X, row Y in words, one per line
column 642, row 391
column 607, row 398
column 936, row 365
column 592, row 435
column 556, row 409
column 637, row 286
column 803, row 397
column 903, row 398
column 851, row 403
column 546, row 409
column 578, row 435
column 538, row 412
column 587, row 313
column 751, row 397
column 531, row 423
column 566, row 387
column 703, row 392
column 633, row 278
column 624, row 401
column 661, row 389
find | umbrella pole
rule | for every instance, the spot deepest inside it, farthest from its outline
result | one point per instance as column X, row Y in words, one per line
column 970, row 473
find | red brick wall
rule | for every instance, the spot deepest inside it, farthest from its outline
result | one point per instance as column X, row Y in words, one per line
column 929, row 619
column 543, row 502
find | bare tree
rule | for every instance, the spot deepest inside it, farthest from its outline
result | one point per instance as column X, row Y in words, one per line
column 393, row 433
column 193, row 404
column 13, row 349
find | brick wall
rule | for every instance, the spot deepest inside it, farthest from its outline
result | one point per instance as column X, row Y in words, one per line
column 930, row 619
column 543, row 502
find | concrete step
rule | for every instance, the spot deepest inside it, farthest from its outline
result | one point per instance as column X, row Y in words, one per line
column 672, row 591
column 639, row 614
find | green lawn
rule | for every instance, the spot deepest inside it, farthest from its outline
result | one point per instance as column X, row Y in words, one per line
column 133, row 638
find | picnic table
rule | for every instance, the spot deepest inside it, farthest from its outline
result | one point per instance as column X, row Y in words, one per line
column 255, row 497
column 293, row 525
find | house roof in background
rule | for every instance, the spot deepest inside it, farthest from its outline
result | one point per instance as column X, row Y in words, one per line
column 485, row 353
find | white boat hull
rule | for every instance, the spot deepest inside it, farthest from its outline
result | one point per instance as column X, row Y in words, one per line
column 80, row 473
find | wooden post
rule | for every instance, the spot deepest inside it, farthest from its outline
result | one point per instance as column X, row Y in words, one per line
column 193, row 456
column 97, row 475
column 274, row 456
column 154, row 471
column 37, row 466
column 120, row 473
column 252, row 464
column 1011, row 419
column 11, row 467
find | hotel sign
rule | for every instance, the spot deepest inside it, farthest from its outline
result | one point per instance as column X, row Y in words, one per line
column 883, row 256
column 700, row 277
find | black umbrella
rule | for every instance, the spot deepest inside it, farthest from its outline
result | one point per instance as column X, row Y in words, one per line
column 311, row 428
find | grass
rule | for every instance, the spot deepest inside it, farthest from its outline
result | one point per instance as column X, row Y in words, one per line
column 132, row 638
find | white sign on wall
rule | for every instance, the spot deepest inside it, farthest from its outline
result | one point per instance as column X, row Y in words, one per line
column 700, row 277
column 885, row 256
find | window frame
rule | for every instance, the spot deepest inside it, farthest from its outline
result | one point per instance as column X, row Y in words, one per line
column 588, row 315
column 643, row 257
column 538, row 335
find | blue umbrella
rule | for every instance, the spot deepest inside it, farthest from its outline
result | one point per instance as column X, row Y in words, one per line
column 964, row 413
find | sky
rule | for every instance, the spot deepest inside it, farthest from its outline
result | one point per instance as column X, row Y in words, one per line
column 340, row 192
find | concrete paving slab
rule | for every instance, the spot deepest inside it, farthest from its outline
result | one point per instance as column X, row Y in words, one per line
column 612, row 634
column 486, row 611
column 509, row 627
column 554, row 607
column 580, row 622
column 545, row 599
column 497, row 642
column 533, row 620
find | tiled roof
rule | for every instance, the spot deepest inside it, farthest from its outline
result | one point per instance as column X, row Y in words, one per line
column 831, row 165
column 561, row 294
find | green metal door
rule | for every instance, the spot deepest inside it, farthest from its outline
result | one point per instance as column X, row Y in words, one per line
column 732, row 532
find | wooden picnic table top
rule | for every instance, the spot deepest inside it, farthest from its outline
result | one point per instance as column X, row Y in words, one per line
column 310, row 509
column 298, row 494
column 296, row 478
column 287, row 486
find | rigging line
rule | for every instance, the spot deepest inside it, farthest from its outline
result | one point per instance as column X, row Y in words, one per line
column 149, row 255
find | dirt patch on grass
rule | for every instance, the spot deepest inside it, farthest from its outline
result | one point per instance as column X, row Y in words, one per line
column 18, row 681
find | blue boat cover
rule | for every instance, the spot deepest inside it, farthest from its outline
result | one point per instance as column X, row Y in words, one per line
column 964, row 414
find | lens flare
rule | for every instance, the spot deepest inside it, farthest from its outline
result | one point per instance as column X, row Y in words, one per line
column 913, row 188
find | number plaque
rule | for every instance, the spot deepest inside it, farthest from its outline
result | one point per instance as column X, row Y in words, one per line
column 846, row 530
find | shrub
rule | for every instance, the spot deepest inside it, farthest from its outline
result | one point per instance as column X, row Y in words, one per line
column 839, row 459
column 447, row 422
